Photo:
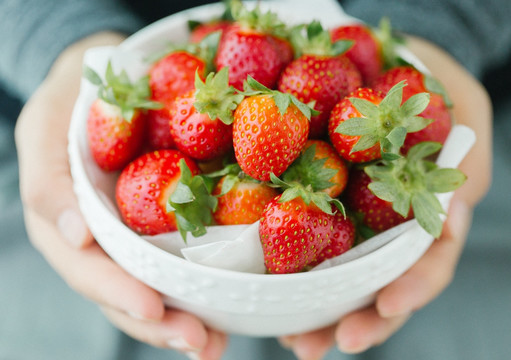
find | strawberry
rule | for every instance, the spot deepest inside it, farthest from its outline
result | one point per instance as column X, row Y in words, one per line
column 116, row 122
column 200, row 31
column 378, row 214
column 333, row 161
column 341, row 239
column 366, row 52
column 254, row 45
column 296, row 226
column 365, row 126
column 320, row 75
column 201, row 120
column 172, row 75
column 320, row 167
column 241, row 199
column 390, row 192
column 270, row 129
column 437, row 109
column 143, row 189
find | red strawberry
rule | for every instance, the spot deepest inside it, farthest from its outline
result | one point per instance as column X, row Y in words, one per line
column 292, row 234
column 320, row 75
column 378, row 214
column 366, row 52
column 251, row 47
column 243, row 202
column 199, row 32
column 116, row 124
column 342, row 239
column 144, row 187
column 388, row 192
column 201, row 120
column 172, row 75
column 366, row 126
column 344, row 144
column 269, row 131
column 437, row 108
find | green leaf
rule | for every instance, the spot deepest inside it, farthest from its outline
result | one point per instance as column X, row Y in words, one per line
column 339, row 47
column 229, row 182
column 192, row 203
column 394, row 97
column 365, row 107
column 215, row 97
column 92, row 76
column 416, row 123
column 182, row 194
column 396, row 137
column 357, row 126
column 433, row 85
column 423, row 150
column 416, row 104
column 383, row 190
column 426, row 208
column 365, row 142
column 444, row 180
column 282, row 101
column 322, row 201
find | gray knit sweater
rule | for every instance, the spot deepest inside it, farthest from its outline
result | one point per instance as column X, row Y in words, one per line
column 33, row 32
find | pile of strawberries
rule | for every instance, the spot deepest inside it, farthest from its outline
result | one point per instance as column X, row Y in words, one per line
column 325, row 136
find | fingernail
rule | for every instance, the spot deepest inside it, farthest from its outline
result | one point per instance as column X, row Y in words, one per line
column 72, row 227
column 180, row 344
column 192, row 355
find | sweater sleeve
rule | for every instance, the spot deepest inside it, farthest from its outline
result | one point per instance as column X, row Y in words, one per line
column 33, row 33
column 476, row 33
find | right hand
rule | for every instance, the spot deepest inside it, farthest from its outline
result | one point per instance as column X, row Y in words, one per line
column 57, row 229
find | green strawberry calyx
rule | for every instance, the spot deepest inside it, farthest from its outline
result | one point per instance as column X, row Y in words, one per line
column 215, row 97
column 314, row 40
column 294, row 189
column 119, row 90
column 386, row 123
column 412, row 182
column 231, row 175
column 251, row 87
column 309, row 171
column 192, row 203
column 267, row 23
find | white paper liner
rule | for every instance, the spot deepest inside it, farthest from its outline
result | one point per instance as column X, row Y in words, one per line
column 238, row 247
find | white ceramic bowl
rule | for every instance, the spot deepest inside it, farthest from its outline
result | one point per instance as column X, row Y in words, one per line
column 235, row 302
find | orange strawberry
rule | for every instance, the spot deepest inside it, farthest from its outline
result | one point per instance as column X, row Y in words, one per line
column 241, row 201
column 269, row 131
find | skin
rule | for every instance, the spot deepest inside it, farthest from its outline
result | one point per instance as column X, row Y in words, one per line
column 137, row 310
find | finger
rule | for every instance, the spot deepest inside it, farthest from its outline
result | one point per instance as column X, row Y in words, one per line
column 432, row 273
column 215, row 347
column 92, row 273
column 45, row 181
column 176, row 330
column 363, row 329
column 312, row 345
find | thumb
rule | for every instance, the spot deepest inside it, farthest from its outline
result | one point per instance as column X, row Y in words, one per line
column 46, row 185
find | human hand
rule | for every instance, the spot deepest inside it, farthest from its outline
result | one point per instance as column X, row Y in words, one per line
column 57, row 229
column 394, row 304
